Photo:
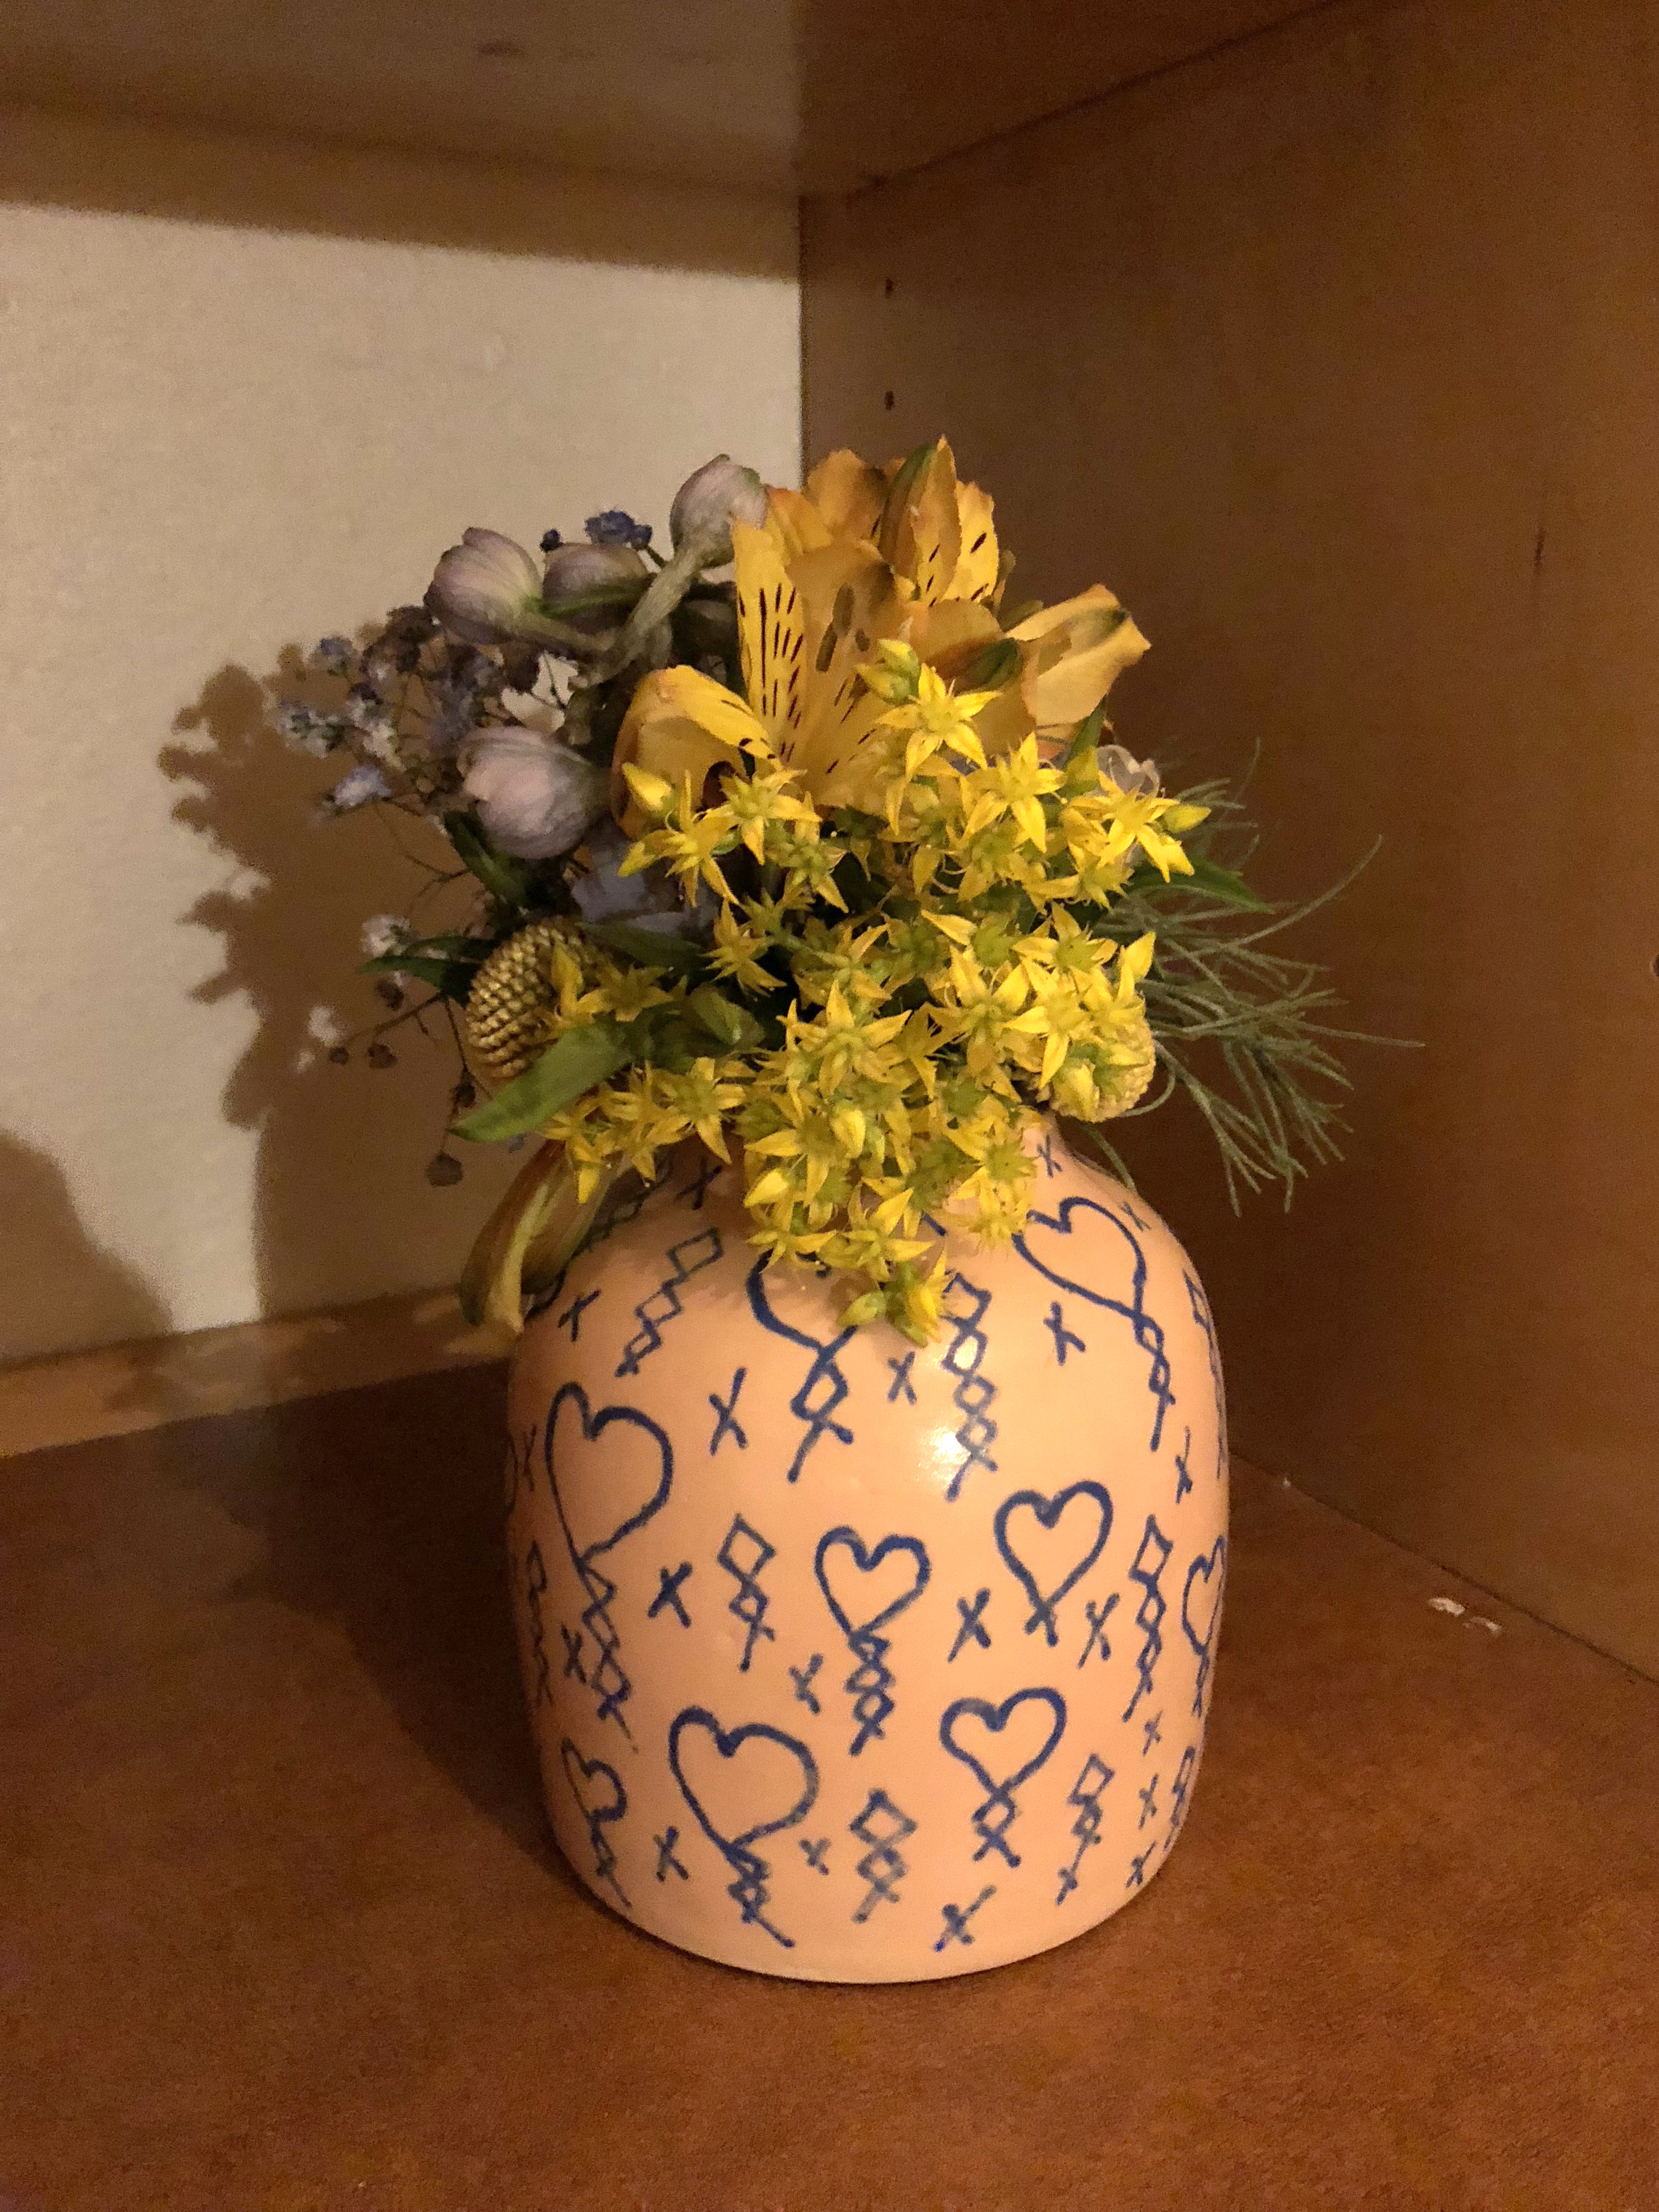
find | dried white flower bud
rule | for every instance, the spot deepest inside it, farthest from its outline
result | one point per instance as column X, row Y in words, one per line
column 384, row 933
column 572, row 570
column 359, row 787
column 482, row 589
column 535, row 797
column 721, row 492
column 1137, row 779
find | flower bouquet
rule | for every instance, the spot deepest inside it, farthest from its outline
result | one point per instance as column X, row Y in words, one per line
column 804, row 841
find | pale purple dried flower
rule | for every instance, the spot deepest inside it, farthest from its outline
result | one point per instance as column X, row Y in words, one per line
column 482, row 589
column 535, row 797
column 721, row 492
column 359, row 787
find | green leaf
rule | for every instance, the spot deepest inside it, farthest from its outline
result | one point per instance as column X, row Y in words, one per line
column 451, row 979
column 731, row 1024
column 1206, row 877
column 647, row 948
column 505, row 878
column 574, row 1063
column 1221, row 883
column 461, row 948
column 991, row 667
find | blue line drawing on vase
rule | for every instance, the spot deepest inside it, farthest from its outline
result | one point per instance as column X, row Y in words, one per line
column 956, row 1918
column 521, row 1473
column 1184, row 1473
column 572, row 1315
column 708, row 1168
column 1148, row 1334
column 884, row 1866
column 572, row 1654
column 1154, row 1546
column 666, row 1861
column 871, row 1678
column 690, row 1257
column 1085, row 1793
column 803, row 1678
column 725, row 1415
column 1148, row 1797
column 535, row 1590
column 1065, row 1338
column 1045, row 1152
column 749, row 1892
column 1206, row 1320
column 1179, row 1791
column 970, row 1626
column 991, row 1820
column 608, row 1676
column 818, row 1854
column 1209, row 1568
column 1097, row 1616
column 1137, row 1865
column 598, row 1815
column 975, row 1393
column 1045, row 1604
column 817, row 1414
column 750, row 1601
column 1154, row 1732
column 669, row 1584
column 901, row 1371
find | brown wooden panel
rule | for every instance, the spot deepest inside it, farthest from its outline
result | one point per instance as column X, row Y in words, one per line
column 1335, row 356
column 284, row 1929
column 784, row 95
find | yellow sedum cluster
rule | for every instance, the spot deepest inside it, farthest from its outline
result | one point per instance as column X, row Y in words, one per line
column 911, row 847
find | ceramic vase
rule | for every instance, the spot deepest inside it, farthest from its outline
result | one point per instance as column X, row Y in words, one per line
column 850, row 1660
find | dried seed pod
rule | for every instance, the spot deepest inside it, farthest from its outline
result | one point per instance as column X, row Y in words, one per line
column 509, row 1011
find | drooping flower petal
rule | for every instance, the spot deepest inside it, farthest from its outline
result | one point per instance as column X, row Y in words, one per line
column 679, row 724
column 1072, row 654
column 848, row 493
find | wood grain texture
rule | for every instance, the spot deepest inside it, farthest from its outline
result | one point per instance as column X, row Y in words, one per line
column 1335, row 357
column 119, row 1390
column 284, row 1927
column 779, row 95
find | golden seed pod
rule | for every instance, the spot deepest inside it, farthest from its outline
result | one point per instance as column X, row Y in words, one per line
column 509, row 1008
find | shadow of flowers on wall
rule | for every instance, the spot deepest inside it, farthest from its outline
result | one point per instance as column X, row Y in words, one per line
column 342, row 1208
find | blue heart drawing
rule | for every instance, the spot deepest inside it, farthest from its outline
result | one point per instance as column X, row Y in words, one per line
column 1148, row 1332
column 1048, row 1511
column 1064, row 1223
column 728, row 1742
column 996, row 1719
column 866, row 1562
column 593, row 1427
column 595, row 1813
column 1206, row 1568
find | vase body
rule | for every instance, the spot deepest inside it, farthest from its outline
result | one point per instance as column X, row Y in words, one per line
column 853, row 1662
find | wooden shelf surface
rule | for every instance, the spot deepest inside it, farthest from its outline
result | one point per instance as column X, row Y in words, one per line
column 284, row 1927
column 775, row 95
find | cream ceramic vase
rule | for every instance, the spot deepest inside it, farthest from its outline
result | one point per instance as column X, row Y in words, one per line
column 856, row 1663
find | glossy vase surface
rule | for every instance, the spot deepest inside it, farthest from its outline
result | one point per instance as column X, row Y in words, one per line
column 854, row 1662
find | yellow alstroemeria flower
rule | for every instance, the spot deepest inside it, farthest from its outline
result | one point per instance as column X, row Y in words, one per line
column 805, row 629
column 937, row 536
column 934, row 532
